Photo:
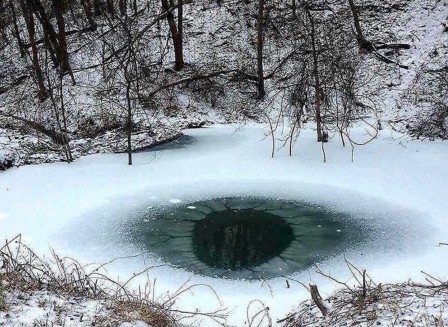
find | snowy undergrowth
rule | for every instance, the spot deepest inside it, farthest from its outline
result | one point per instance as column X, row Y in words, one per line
column 43, row 308
column 57, row 291
column 96, row 118
column 406, row 304
column 20, row 148
column 410, row 95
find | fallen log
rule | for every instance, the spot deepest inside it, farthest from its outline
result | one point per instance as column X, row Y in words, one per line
column 57, row 137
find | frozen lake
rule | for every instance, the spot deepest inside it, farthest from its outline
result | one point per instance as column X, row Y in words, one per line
column 394, row 190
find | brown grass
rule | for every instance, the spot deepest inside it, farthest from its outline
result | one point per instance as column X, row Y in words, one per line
column 23, row 270
column 372, row 304
column 3, row 306
column 130, row 311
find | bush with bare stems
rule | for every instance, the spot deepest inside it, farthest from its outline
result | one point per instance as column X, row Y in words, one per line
column 367, row 303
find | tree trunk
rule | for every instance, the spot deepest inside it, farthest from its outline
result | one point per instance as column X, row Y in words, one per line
column 317, row 299
column 129, row 123
column 62, row 40
column 56, row 42
column 96, row 7
column 180, row 28
column 122, row 7
column 63, row 128
column 362, row 42
column 64, row 141
column 16, row 30
column 316, row 78
column 260, row 73
column 87, row 6
column 175, row 33
column 111, row 8
column 29, row 22
column 49, row 32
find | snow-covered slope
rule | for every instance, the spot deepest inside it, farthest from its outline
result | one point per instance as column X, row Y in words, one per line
column 219, row 38
column 422, row 25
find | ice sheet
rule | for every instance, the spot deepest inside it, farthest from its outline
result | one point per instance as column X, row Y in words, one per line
column 397, row 187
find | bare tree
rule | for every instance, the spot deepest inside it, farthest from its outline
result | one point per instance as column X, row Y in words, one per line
column 59, row 9
column 260, row 36
column 320, row 76
column 56, row 95
column 362, row 41
column 317, row 86
column 176, row 30
column 56, row 41
column 87, row 6
column 16, row 30
column 29, row 21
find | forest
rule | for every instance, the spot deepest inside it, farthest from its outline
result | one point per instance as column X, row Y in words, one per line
column 93, row 76
column 223, row 163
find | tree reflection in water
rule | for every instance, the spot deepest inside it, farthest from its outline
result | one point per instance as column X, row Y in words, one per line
column 245, row 237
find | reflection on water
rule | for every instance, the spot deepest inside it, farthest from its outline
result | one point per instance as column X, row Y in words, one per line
column 236, row 239
column 244, row 237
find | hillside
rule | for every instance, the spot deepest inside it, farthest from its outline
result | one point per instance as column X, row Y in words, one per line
column 85, row 77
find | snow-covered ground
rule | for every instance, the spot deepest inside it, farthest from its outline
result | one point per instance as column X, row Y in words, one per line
column 396, row 186
column 43, row 307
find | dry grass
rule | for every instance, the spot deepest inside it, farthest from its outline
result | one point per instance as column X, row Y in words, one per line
column 364, row 303
column 130, row 311
column 369, row 304
column 393, row 304
column 24, row 271
column 3, row 306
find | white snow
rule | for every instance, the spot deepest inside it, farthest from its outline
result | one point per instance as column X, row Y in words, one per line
column 397, row 186
column 41, row 308
column 134, row 324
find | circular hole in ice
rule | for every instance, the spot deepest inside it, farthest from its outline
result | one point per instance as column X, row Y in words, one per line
column 240, row 238
column 245, row 237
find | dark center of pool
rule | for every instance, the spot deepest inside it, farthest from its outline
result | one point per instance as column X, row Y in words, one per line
column 235, row 239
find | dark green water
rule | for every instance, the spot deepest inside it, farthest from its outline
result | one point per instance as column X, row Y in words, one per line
column 244, row 237
column 236, row 239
